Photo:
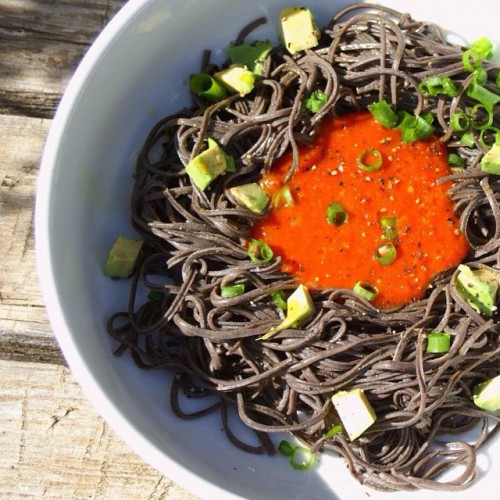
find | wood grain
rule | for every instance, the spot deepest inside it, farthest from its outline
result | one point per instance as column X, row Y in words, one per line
column 54, row 444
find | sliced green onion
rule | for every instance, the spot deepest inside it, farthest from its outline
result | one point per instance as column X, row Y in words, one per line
column 459, row 121
column 156, row 295
column 436, row 85
column 489, row 136
column 384, row 114
column 386, row 254
column 370, row 159
column 282, row 198
column 230, row 291
column 278, row 299
column 415, row 128
column 467, row 139
column 333, row 431
column 336, row 214
column 260, row 252
column 471, row 60
column 497, row 81
column 480, row 76
column 481, row 94
column 456, row 160
column 315, row 101
column 481, row 117
column 301, row 458
column 388, row 225
column 483, row 47
column 365, row 290
column 206, row 86
column 286, row 448
column 438, row 342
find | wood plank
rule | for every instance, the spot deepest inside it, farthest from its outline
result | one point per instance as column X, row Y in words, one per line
column 55, row 445
column 25, row 331
column 41, row 44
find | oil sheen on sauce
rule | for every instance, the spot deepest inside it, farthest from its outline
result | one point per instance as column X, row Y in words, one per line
column 321, row 255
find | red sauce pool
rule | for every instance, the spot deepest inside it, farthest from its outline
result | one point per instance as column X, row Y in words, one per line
column 321, row 255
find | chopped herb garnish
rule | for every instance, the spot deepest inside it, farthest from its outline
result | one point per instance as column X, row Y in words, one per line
column 230, row 291
column 370, row 159
column 336, row 214
column 438, row 342
column 315, row 101
column 206, row 86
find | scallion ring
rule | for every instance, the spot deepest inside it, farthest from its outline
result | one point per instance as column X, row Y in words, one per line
column 333, row 431
column 302, row 458
column 467, row 139
column 483, row 46
column 386, row 254
column 471, row 60
column 438, row 342
column 384, row 114
column 260, row 252
column 230, row 291
column 370, row 159
column 480, row 76
column 489, row 136
column 436, row 85
column 365, row 290
column 459, row 121
column 336, row 214
column 484, row 96
column 207, row 86
column 282, row 198
column 456, row 160
column 286, row 448
column 388, row 225
column 481, row 117
column 278, row 299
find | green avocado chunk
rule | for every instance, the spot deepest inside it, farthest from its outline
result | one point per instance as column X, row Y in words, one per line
column 300, row 309
column 478, row 288
column 237, row 78
column 355, row 411
column 209, row 164
column 250, row 196
column 486, row 395
column 122, row 257
column 251, row 56
column 490, row 162
column 298, row 29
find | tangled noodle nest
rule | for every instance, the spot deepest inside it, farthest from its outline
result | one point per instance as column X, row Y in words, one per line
column 194, row 244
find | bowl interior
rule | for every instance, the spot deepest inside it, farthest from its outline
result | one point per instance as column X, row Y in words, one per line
column 135, row 73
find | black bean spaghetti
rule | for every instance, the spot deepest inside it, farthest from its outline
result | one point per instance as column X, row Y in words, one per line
column 194, row 246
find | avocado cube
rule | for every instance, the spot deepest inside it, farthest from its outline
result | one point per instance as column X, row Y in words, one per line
column 251, row 56
column 355, row 411
column 486, row 395
column 490, row 163
column 478, row 288
column 122, row 257
column 208, row 165
column 300, row 309
column 250, row 196
column 237, row 78
column 298, row 29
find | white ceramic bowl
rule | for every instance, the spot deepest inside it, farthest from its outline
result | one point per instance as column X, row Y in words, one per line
column 134, row 74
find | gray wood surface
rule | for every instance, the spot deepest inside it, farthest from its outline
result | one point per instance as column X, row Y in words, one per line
column 54, row 444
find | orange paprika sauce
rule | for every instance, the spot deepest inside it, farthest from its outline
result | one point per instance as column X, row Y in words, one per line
column 321, row 255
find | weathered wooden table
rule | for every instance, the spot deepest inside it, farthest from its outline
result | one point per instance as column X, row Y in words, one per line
column 53, row 442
